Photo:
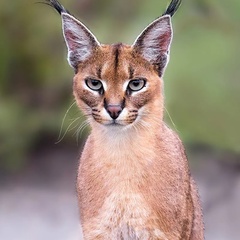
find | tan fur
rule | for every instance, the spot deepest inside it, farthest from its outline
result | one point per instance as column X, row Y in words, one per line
column 133, row 179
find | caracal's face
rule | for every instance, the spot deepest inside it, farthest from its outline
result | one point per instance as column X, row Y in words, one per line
column 117, row 87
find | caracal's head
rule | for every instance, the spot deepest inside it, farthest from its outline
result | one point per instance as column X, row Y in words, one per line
column 118, row 85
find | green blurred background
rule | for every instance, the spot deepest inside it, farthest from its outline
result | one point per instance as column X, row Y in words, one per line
column 201, row 83
column 38, row 148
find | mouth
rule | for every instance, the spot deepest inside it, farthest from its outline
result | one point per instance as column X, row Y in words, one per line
column 114, row 122
column 119, row 123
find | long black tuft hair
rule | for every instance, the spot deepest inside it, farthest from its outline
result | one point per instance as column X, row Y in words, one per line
column 57, row 6
column 173, row 7
column 171, row 10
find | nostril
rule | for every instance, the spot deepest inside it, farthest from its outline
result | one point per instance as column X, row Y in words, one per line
column 114, row 111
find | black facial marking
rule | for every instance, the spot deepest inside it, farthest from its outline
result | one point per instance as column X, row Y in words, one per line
column 99, row 72
column 131, row 72
column 95, row 110
column 123, row 104
column 116, row 52
column 135, row 111
column 116, row 58
column 95, row 115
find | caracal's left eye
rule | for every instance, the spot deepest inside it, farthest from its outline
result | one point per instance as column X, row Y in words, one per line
column 136, row 84
column 94, row 84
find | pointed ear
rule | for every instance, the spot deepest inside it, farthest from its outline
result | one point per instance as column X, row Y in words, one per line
column 80, row 41
column 154, row 43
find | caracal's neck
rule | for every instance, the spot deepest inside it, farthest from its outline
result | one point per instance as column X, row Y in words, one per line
column 126, row 143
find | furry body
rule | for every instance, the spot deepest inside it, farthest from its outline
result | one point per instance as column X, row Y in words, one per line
column 133, row 178
column 152, row 198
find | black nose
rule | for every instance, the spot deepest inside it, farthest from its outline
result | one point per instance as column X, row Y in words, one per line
column 114, row 110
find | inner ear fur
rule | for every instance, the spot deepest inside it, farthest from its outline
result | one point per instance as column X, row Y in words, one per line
column 79, row 40
column 153, row 44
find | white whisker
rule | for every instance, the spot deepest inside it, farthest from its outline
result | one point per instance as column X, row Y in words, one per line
column 68, row 129
column 81, row 128
column 61, row 129
column 174, row 125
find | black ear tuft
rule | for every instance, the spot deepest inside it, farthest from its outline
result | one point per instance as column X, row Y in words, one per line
column 79, row 40
column 58, row 7
column 173, row 7
column 154, row 42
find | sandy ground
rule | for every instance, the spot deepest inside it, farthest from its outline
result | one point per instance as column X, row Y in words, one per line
column 40, row 203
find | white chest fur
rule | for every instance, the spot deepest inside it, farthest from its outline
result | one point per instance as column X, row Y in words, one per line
column 124, row 213
column 125, row 216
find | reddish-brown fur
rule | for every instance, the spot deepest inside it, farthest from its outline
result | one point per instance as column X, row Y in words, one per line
column 149, row 160
column 133, row 178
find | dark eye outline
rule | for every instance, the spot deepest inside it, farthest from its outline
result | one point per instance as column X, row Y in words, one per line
column 97, row 87
column 141, row 81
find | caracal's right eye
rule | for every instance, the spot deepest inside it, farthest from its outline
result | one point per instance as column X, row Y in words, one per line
column 93, row 84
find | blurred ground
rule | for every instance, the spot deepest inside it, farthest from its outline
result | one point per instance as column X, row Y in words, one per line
column 218, row 179
column 40, row 203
